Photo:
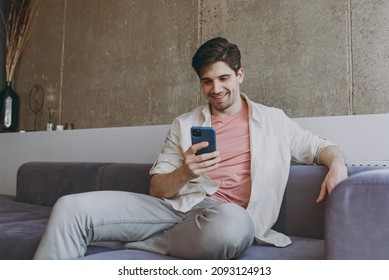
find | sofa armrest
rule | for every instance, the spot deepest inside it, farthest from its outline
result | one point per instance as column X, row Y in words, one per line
column 357, row 217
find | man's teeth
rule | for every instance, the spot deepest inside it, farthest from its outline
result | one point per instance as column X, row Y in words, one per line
column 218, row 96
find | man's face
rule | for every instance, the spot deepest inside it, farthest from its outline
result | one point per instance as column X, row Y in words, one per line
column 221, row 87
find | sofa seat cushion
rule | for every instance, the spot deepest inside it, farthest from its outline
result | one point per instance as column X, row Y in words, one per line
column 300, row 249
column 13, row 211
column 124, row 255
column 21, row 227
column 19, row 240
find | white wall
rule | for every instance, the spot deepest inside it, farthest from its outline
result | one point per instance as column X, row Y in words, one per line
column 126, row 144
column 363, row 139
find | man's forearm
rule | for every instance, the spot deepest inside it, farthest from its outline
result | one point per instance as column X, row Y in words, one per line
column 329, row 156
column 166, row 185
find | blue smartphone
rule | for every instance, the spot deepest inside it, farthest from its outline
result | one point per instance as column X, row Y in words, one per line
column 201, row 134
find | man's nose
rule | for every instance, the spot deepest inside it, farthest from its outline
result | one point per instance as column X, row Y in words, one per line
column 216, row 86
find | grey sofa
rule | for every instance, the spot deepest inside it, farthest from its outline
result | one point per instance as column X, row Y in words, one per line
column 352, row 223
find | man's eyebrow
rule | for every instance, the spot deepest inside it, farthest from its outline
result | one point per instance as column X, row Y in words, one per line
column 221, row 76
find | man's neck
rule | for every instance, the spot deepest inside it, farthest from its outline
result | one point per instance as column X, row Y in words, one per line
column 233, row 109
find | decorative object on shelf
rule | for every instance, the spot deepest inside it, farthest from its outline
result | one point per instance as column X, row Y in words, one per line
column 51, row 111
column 21, row 17
column 37, row 98
column 9, row 112
column 68, row 126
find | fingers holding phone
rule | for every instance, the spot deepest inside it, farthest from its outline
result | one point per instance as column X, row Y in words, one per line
column 202, row 148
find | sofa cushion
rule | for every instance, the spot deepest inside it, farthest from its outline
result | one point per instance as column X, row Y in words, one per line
column 19, row 240
column 300, row 249
column 43, row 183
column 133, row 177
column 300, row 215
column 125, row 255
column 21, row 228
column 12, row 211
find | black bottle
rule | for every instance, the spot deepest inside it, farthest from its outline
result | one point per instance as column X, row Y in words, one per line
column 9, row 110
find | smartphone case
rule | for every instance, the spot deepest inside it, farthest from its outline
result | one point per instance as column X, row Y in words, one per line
column 201, row 134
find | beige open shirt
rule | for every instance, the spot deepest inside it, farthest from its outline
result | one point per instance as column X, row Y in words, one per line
column 275, row 140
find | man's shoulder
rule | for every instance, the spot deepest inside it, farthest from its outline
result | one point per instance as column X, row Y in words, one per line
column 261, row 110
column 194, row 115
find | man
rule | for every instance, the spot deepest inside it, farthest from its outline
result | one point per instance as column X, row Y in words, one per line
column 209, row 206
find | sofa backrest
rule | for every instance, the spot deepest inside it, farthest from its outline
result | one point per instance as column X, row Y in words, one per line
column 43, row 183
column 133, row 177
column 300, row 215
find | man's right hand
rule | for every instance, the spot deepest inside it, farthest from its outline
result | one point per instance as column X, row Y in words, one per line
column 166, row 185
column 196, row 165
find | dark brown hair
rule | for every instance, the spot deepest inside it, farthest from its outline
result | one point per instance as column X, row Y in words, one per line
column 215, row 50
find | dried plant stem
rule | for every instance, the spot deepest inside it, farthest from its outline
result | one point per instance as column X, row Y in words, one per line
column 22, row 15
column 51, row 112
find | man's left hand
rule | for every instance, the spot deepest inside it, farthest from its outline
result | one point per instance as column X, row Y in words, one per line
column 336, row 173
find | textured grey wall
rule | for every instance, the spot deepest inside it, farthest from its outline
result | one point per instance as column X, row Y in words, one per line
column 124, row 63
column 294, row 52
column 371, row 56
column 3, row 6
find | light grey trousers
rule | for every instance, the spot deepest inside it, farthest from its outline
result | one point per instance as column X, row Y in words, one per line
column 211, row 230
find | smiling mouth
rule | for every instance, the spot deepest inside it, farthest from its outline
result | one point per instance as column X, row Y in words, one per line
column 218, row 97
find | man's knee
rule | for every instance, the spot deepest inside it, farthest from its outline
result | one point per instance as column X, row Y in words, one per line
column 235, row 224
column 68, row 204
column 231, row 228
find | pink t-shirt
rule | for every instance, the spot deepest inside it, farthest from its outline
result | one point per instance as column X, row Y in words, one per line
column 233, row 144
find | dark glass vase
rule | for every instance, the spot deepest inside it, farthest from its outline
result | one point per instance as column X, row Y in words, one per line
column 9, row 109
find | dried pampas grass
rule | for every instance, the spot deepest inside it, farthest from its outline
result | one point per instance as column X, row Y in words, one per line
column 21, row 17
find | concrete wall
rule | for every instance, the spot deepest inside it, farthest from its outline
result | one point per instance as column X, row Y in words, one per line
column 4, row 8
column 127, row 63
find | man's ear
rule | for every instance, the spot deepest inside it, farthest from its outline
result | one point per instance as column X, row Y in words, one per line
column 240, row 75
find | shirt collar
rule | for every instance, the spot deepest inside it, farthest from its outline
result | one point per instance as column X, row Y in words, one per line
column 254, row 113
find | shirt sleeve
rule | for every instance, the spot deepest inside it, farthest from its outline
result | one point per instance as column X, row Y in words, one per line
column 171, row 156
column 305, row 147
